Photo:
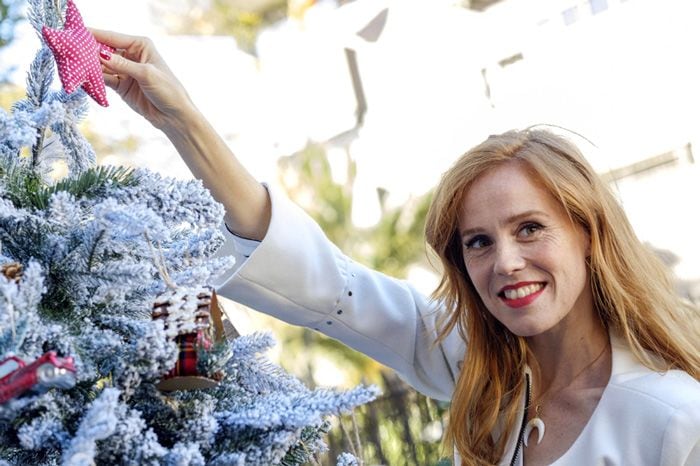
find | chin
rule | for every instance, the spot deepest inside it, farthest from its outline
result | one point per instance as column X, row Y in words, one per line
column 525, row 332
column 526, row 329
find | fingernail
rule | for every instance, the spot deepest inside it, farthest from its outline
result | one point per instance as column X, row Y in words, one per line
column 105, row 54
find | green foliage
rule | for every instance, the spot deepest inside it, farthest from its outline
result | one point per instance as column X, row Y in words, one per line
column 26, row 189
column 221, row 17
column 9, row 17
column 398, row 239
column 444, row 462
column 90, row 184
column 213, row 360
column 391, row 428
column 328, row 202
column 391, row 246
column 301, row 453
column 20, row 183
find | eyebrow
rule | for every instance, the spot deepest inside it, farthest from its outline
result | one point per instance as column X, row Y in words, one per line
column 512, row 219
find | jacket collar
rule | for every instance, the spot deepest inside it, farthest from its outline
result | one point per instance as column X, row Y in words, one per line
column 624, row 364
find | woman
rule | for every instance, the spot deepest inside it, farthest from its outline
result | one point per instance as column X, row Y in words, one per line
column 578, row 350
column 536, row 246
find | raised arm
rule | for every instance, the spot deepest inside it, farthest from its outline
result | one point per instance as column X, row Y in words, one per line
column 295, row 273
column 143, row 80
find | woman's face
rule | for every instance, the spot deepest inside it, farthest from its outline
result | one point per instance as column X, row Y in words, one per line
column 526, row 259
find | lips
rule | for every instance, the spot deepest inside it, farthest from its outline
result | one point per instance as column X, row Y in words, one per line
column 521, row 294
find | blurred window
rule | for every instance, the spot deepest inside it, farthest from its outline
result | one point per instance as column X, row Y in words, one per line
column 570, row 15
column 598, row 5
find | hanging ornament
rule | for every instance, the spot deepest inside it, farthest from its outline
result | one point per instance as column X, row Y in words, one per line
column 194, row 319
column 18, row 378
column 12, row 271
column 77, row 55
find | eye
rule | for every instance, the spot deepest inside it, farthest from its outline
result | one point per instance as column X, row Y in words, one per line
column 477, row 242
column 529, row 229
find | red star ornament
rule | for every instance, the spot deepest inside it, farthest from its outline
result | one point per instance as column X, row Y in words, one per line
column 77, row 56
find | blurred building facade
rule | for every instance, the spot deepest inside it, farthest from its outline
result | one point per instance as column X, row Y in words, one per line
column 405, row 86
column 621, row 73
column 619, row 76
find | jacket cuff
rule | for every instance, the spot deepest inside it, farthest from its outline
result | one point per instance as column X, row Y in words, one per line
column 241, row 245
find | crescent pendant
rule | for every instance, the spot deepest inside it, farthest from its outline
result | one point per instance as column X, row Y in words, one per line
column 534, row 423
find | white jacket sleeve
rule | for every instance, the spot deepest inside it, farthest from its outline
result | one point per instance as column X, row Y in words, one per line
column 296, row 274
column 681, row 443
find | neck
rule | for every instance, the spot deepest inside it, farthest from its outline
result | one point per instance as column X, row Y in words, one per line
column 563, row 352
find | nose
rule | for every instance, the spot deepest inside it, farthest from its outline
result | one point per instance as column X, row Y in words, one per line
column 509, row 258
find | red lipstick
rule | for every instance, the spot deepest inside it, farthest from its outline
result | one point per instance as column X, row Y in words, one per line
column 525, row 300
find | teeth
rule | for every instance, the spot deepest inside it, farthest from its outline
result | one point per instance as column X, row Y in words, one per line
column 523, row 291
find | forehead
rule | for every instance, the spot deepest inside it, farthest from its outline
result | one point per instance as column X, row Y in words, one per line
column 505, row 191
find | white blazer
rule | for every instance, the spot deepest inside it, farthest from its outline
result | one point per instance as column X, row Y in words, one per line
column 296, row 274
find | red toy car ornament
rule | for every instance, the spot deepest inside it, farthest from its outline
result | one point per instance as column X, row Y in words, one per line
column 49, row 371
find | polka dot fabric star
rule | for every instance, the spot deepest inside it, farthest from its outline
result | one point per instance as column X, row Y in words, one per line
column 77, row 56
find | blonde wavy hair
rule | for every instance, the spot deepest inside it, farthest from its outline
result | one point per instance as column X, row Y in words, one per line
column 633, row 292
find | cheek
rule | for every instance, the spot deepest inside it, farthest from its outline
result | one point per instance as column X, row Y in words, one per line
column 477, row 273
column 546, row 255
column 583, row 272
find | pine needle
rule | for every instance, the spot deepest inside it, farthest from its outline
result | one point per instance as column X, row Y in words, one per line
column 90, row 183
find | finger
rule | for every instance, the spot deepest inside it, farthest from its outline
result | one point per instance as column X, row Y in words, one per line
column 105, row 62
column 111, row 80
column 114, row 39
column 117, row 64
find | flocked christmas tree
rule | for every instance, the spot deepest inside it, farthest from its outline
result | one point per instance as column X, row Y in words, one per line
column 112, row 348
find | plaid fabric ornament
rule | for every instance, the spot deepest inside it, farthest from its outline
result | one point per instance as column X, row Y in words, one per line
column 187, row 359
column 195, row 320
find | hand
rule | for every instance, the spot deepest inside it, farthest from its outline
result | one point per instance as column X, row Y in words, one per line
column 142, row 79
